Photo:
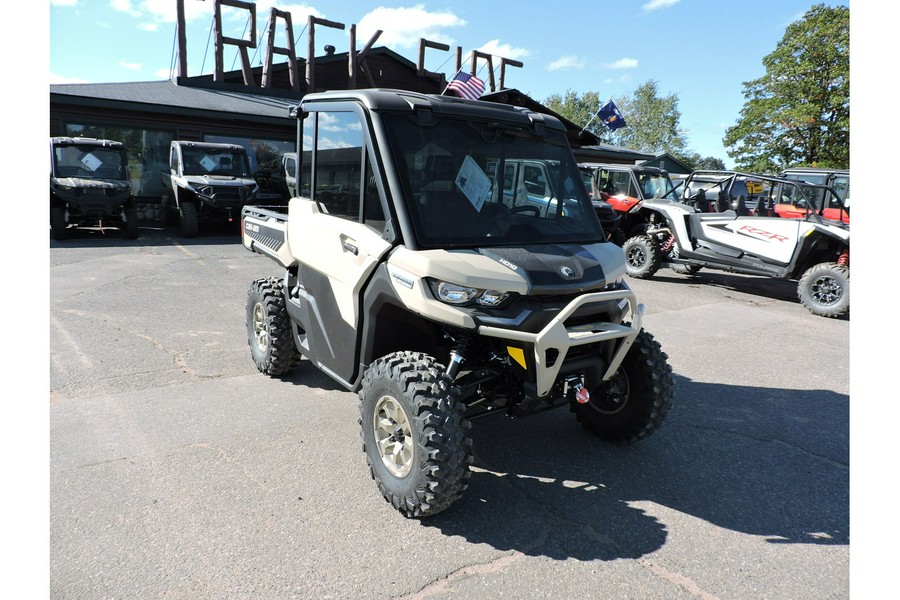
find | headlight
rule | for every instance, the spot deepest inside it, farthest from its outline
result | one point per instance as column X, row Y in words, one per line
column 455, row 294
column 460, row 295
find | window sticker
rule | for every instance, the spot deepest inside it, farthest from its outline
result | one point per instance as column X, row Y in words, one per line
column 91, row 162
column 208, row 162
column 473, row 182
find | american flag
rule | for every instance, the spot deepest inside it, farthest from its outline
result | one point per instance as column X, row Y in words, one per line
column 467, row 86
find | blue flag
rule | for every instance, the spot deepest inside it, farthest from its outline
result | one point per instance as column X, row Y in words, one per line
column 610, row 116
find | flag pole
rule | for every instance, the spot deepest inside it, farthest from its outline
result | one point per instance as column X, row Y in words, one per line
column 593, row 116
column 458, row 71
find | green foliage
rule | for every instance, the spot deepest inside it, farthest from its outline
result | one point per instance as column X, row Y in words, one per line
column 702, row 163
column 579, row 110
column 653, row 122
column 798, row 113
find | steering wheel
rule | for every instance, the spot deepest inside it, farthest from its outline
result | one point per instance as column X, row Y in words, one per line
column 527, row 208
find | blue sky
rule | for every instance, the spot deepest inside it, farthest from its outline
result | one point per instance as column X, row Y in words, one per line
column 701, row 50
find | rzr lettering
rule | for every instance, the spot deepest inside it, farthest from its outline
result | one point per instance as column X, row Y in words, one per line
column 763, row 233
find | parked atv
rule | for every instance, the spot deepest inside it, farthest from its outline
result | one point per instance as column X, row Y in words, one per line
column 89, row 186
column 415, row 275
column 813, row 250
column 625, row 188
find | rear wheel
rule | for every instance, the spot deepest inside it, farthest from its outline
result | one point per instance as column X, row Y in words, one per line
column 188, row 220
column 635, row 402
column 824, row 289
column 58, row 222
column 415, row 436
column 642, row 256
column 684, row 269
column 131, row 223
column 269, row 328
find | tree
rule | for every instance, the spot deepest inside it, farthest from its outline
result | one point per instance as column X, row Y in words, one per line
column 579, row 110
column 652, row 122
column 702, row 163
column 798, row 113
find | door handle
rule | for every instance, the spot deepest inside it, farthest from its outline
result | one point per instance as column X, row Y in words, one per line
column 351, row 248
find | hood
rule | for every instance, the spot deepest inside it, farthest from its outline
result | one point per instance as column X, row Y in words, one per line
column 538, row 269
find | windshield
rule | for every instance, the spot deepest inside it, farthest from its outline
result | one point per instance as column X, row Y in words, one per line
column 88, row 161
column 475, row 183
column 215, row 161
column 656, row 186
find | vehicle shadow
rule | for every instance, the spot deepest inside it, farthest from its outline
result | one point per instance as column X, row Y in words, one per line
column 768, row 287
column 149, row 235
column 766, row 462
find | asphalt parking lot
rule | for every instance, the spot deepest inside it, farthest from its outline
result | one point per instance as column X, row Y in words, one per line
column 178, row 471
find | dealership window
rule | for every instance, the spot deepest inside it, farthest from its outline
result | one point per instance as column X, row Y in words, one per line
column 265, row 162
column 148, row 153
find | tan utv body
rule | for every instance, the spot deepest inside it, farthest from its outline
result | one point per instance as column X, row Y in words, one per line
column 411, row 278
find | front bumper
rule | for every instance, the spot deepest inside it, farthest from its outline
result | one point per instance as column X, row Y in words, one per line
column 553, row 342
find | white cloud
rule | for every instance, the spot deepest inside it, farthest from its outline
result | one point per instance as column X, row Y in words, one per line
column 619, row 79
column 130, row 66
column 495, row 48
column 622, row 63
column 54, row 78
column 566, row 62
column 163, row 73
column 402, row 27
column 657, row 4
column 148, row 27
column 124, row 6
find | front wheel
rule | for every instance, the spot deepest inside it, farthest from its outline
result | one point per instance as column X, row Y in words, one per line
column 58, row 222
column 269, row 328
column 635, row 401
column 131, row 223
column 642, row 256
column 824, row 289
column 188, row 219
column 415, row 436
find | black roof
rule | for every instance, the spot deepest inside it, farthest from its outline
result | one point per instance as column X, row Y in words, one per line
column 164, row 96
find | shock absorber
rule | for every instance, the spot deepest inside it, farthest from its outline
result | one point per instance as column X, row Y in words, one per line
column 458, row 353
column 844, row 258
column 667, row 245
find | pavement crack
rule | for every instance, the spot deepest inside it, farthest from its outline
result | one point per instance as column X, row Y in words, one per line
column 445, row 583
column 232, row 461
column 779, row 442
column 679, row 579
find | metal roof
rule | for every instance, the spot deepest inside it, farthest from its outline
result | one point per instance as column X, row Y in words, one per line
column 166, row 95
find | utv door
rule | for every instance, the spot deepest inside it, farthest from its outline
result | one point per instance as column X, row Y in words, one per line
column 337, row 237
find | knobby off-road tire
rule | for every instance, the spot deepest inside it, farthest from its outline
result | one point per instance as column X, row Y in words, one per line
column 642, row 256
column 824, row 289
column 415, row 436
column 58, row 222
column 188, row 219
column 636, row 401
column 131, row 223
column 269, row 328
column 684, row 269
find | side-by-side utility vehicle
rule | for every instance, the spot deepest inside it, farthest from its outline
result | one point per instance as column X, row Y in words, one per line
column 412, row 278
column 206, row 182
column 814, row 250
column 89, row 186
